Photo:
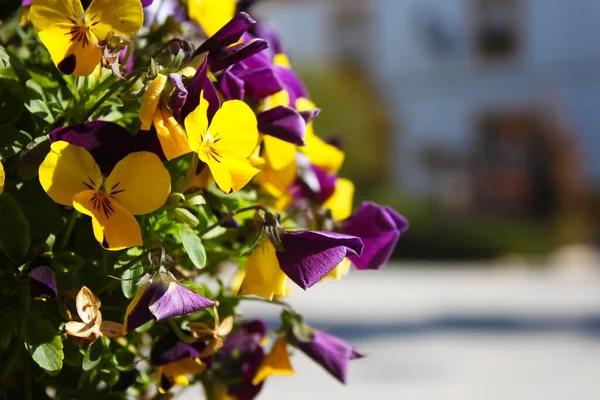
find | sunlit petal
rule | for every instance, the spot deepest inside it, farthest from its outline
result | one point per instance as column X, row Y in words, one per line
column 234, row 128
column 196, row 124
column 1, row 178
column 71, row 48
column 150, row 101
column 264, row 277
column 139, row 182
column 123, row 17
column 44, row 13
column 68, row 170
column 277, row 362
column 340, row 202
column 114, row 227
column 171, row 135
column 232, row 172
column 211, row 15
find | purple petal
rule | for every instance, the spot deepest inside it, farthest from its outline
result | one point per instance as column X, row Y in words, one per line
column 379, row 228
column 179, row 95
column 230, row 223
column 292, row 84
column 310, row 255
column 169, row 349
column 201, row 84
column 26, row 3
column 331, row 352
column 260, row 82
column 227, row 35
column 42, row 282
column 106, row 141
column 309, row 115
column 141, row 312
column 315, row 184
column 284, row 123
column 146, row 3
column 336, row 141
column 263, row 31
column 231, row 55
column 245, row 390
column 177, row 300
column 128, row 67
column 231, row 86
column 126, row 380
column 148, row 141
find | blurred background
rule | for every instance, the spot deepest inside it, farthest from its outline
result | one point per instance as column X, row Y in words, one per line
column 479, row 121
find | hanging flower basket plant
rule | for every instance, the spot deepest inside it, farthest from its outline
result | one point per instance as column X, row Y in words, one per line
column 146, row 151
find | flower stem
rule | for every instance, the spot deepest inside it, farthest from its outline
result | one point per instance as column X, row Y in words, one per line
column 263, row 300
column 230, row 215
column 180, row 335
column 64, row 239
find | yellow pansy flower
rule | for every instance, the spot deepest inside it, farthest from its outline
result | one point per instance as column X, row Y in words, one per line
column 174, row 374
column 225, row 143
column 139, row 184
column 277, row 362
column 71, row 34
column 211, row 15
column 263, row 276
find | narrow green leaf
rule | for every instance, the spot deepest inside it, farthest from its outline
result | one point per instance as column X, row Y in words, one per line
column 93, row 356
column 129, row 285
column 193, row 246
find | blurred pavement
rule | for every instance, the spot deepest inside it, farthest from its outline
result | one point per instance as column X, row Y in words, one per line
column 439, row 332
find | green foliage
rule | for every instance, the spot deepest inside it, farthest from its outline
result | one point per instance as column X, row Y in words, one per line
column 193, row 246
column 14, row 229
column 44, row 343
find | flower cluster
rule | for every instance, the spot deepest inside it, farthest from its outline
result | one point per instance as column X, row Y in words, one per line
column 184, row 134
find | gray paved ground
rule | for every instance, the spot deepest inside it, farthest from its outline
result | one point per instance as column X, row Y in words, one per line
column 439, row 333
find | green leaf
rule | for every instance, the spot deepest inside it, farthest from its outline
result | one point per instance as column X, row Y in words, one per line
column 193, row 246
column 128, row 285
column 40, row 109
column 44, row 344
column 14, row 229
column 93, row 356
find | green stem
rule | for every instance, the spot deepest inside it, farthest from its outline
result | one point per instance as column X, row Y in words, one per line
column 64, row 239
column 115, row 86
column 231, row 214
column 209, row 389
column 180, row 335
column 102, row 86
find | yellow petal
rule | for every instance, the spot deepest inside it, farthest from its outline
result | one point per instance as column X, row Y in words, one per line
column 173, row 374
column 113, row 225
column 234, row 129
column 276, row 182
column 221, row 392
column 340, row 202
column 264, row 277
column 281, row 98
column 320, row 153
column 68, row 170
column 196, row 124
column 139, row 182
column 150, row 101
column 282, row 60
column 123, row 17
column 230, row 171
column 278, row 153
column 71, row 48
column 277, row 362
column 339, row 271
column 1, row 178
column 171, row 135
column 45, row 13
column 211, row 15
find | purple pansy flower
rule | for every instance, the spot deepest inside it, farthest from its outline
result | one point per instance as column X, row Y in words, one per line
column 222, row 47
column 308, row 256
column 42, row 283
column 160, row 298
column 331, row 352
column 241, row 356
column 379, row 228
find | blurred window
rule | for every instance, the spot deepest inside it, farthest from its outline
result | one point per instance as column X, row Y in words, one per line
column 497, row 28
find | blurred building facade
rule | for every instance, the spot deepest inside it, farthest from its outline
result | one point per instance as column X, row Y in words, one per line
column 493, row 102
